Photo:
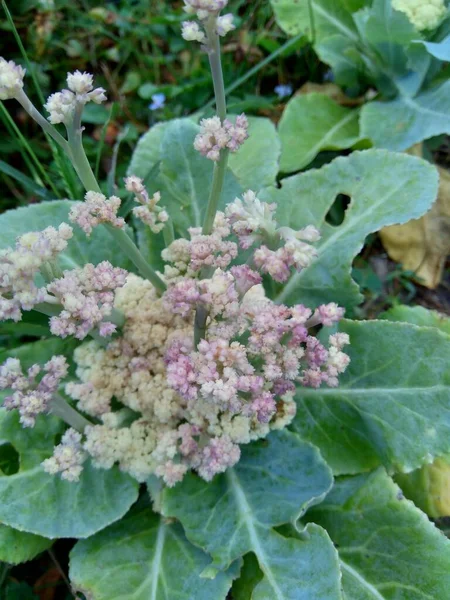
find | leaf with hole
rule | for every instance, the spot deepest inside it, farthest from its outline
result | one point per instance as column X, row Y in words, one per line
column 384, row 189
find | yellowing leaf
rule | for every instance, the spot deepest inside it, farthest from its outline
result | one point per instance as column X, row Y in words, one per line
column 429, row 487
column 422, row 245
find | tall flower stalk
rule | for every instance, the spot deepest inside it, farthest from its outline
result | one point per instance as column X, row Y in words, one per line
column 218, row 135
column 213, row 48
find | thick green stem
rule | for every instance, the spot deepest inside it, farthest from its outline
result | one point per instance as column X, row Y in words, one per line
column 220, row 167
column 63, row 410
column 216, row 67
column 168, row 233
column 133, row 253
column 77, row 154
column 254, row 70
column 201, row 315
column 87, row 178
column 221, row 105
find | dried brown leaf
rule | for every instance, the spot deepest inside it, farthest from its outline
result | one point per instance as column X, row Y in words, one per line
column 422, row 245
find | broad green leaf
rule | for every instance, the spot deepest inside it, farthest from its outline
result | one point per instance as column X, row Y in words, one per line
column 312, row 123
column 342, row 55
column 32, row 324
column 387, row 547
column 18, row 546
column 330, row 17
column 403, row 122
column 256, row 163
column 440, row 50
column 229, row 511
column 144, row 558
column 185, row 177
column 148, row 151
column 384, row 189
column 64, row 509
column 274, row 482
column 40, row 351
column 392, row 404
column 306, row 569
column 418, row 315
column 80, row 249
column 387, row 31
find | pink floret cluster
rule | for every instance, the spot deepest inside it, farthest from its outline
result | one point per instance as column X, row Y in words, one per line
column 209, row 365
column 215, row 136
column 31, row 397
column 87, row 298
column 96, row 209
column 20, row 265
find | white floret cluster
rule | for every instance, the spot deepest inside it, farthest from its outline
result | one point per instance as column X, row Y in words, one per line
column 11, row 79
column 61, row 105
column 423, row 14
column 206, row 10
column 159, row 432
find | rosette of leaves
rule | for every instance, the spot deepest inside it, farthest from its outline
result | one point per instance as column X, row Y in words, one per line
column 310, row 513
column 369, row 46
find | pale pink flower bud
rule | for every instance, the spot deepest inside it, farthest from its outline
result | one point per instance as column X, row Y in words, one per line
column 68, row 457
column 224, row 24
column 94, row 210
column 31, row 397
column 80, row 83
column 191, row 32
column 330, row 313
column 61, row 107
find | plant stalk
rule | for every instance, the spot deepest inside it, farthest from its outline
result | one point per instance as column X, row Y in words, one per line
column 168, row 233
column 87, row 178
column 78, row 155
column 220, row 167
column 62, row 409
column 132, row 251
column 221, row 106
column 29, row 107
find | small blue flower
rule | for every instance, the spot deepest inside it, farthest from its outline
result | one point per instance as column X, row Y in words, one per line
column 283, row 90
column 158, row 101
